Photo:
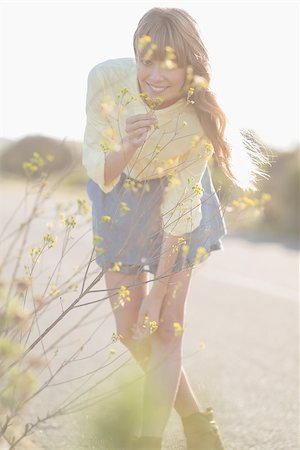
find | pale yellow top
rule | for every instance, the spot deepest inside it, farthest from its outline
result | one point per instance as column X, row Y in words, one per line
column 177, row 148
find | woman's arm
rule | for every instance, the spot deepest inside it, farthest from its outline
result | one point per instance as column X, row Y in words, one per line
column 137, row 127
column 152, row 303
column 116, row 161
column 102, row 166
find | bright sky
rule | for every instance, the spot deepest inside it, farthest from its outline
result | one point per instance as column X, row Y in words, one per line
column 48, row 49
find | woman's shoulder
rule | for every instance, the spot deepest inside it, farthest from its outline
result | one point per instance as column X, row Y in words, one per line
column 113, row 70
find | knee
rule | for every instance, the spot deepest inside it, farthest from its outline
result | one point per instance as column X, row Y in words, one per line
column 169, row 335
column 125, row 338
column 138, row 349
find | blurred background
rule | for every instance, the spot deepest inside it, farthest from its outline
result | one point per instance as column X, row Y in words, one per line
column 242, row 321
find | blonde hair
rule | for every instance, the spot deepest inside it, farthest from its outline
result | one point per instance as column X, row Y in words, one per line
column 176, row 29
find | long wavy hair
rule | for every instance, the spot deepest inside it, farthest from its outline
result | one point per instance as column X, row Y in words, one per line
column 174, row 28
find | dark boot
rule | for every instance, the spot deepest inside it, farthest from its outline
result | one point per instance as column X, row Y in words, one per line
column 147, row 443
column 201, row 431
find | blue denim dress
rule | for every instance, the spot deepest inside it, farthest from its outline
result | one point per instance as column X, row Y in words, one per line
column 131, row 234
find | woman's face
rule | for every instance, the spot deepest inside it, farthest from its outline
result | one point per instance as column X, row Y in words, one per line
column 157, row 81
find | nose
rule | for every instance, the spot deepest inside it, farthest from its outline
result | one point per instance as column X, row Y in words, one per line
column 156, row 75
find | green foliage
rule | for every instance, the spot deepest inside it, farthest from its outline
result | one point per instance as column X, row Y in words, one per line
column 277, row 199
column 113, row 422
column 281, row 215
column 33, row 154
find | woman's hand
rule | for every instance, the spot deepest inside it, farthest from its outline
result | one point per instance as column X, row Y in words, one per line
column 148, row 317
column 137, row 127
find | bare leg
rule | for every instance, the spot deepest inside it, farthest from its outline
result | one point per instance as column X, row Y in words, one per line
column 185, row 402
column 161, row 384
column 164, row 368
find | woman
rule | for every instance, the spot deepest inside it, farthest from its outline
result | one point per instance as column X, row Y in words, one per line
column 152, row 127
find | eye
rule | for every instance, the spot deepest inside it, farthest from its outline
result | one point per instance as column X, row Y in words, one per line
column 146, row 62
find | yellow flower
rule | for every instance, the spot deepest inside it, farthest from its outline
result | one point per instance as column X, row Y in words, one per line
column 34, row 252
column 37, row 158
column 106, row 218
column 249, row 201
column 191, row 91
column 124, row 208
column 107, row 147
column 189, row 73
column 173, row 181
column 153, row 326
column 109, row 132
column 9, row 348
column 200, row 82
column 148, row 54
column 49, row 240
column 152, row 102
column 54, row 290
column 116, row 267
column 99, row 250
column 198, row 189
column 182, row 244
column 50, row 157
column 235, row 203
column 209, row 149
column 243, row 202
column 144, row 40
column 174, row 248
column 168, row 64
column 265, row 197
column 69, row 221
column 195, row 140
column 170, row 51
column 178, row 329
column 117, row 337
column 83, row 207
column 185, row 249
column 200, row 254
column 97, row 238
column 130, row 185
column 174, row 292
column 146, row 319
column 29, row 167
column 124, row 294
column 201, row 251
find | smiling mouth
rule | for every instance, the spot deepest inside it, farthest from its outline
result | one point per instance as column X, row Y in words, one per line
column 157, row 90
